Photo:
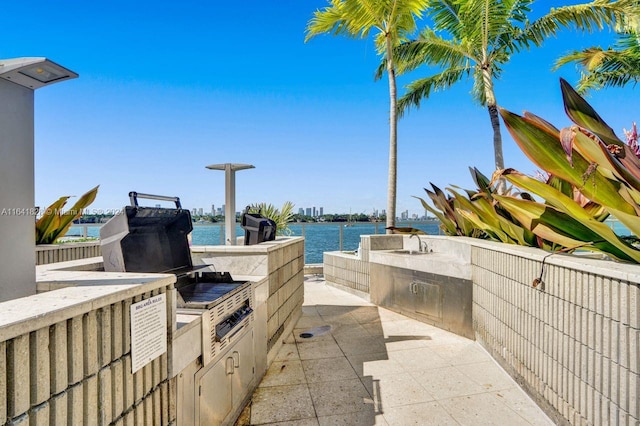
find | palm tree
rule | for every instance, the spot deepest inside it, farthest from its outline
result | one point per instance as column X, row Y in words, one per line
column 475, row 38
column 614, row 67
column 392, row 21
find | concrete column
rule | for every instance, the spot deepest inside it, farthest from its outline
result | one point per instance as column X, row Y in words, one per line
column 17, row 229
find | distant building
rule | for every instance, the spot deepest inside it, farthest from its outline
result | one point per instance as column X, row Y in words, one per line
column 200, row 211
column 315, row 213
column 321, row 211
column 213, row 210
column 301, row 211
column 194, row 212
column 308, row 211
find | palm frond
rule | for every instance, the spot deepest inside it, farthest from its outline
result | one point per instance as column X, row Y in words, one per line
column 611, row 67
column 422, row 88
column 587, row 17
column 431, row 49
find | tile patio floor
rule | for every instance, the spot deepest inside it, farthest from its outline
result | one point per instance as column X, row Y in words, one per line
column 376, row 367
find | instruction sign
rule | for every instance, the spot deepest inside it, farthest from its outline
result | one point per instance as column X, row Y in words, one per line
column 148, row 331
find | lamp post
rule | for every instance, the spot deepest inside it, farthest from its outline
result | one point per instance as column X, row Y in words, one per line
column 230, row 170
column 19, row 78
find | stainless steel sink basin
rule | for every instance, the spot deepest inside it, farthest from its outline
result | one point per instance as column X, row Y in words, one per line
column 409, row 252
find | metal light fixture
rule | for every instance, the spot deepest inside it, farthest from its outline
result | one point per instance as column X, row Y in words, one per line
column 230, row 170
column 34, row 72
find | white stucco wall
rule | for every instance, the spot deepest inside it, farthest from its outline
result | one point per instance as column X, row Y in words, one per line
column 17, row 241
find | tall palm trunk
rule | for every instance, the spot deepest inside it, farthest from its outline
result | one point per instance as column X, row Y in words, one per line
column 495, row 124
column 393, row 137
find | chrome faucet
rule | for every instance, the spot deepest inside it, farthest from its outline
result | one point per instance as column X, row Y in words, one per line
column 421, row 248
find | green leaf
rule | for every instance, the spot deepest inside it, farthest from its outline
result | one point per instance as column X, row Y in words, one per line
column 545, row 150
column 54, row 223
column 559, row 227
column 581, row 113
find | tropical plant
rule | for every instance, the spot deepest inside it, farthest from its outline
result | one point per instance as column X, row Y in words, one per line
column 392, row 21
column 477, row 38
column 591, row 174
column 55, row 223
column 281, row 216
column 590, row 157
column 615, row 66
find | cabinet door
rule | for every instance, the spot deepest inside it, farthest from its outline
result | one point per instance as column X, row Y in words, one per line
column 403, row 296
column 214, row 392
column 428, row 299
column 244, row 363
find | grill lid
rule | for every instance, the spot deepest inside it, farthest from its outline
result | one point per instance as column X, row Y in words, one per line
column 147, row 239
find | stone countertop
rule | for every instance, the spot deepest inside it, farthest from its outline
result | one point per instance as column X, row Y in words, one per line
column 435, row 263
column 86, row 273
column 263, row 247
column 75, row 293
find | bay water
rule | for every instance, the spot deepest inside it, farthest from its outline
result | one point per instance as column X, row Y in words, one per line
column 319, row 237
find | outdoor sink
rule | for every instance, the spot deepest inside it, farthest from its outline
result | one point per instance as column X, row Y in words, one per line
column 410, row 252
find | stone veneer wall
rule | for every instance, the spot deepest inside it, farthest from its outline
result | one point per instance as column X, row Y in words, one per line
column 352, row 271
column 65, row 358
column 52, row 253
column 346, row 270
column 574, row 343
column 286, row 289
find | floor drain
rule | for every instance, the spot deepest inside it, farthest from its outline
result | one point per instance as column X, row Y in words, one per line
column 306, row 335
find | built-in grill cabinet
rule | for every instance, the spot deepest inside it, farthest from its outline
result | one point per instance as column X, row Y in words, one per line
column 155, row 240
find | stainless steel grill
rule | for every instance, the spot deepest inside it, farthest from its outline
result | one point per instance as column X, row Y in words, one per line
column 155, row 240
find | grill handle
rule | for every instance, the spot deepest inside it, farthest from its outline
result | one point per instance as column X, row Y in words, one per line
column 133, row 197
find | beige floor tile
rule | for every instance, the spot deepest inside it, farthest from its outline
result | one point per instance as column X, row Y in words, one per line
column 361, row 418
column 319, row 349
column 340, row 397
column 328, row 369
column 309, row 310
column 284, row 373
column 374, row 364
column 516, row 399
column 396, row 390
column 423, row 414
column 303, row 422
column 340, row 320
column 281, row 403
column 361, row 345
column 398, row 343
column 409, row 326
column 468, row 352
column 317, row 336
column 377, row 367
column 366, row 314
column 447, row 382
column 488, row 375
column 417, row 359
column 481, row 409
column 387, row 315
column 374, row 328
column 333, row 310
column 346, row 332
column 309, row 321
column 288, row 352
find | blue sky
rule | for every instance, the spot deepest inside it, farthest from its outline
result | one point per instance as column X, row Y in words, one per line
column 167, row 88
